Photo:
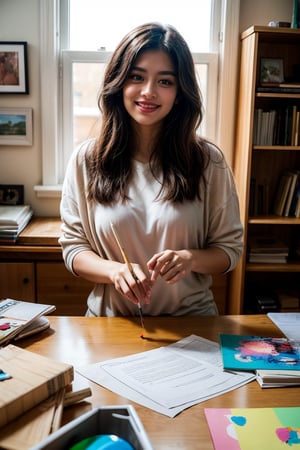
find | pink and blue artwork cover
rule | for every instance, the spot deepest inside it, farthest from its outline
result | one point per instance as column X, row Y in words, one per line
column 254, row 428
column 255, row 352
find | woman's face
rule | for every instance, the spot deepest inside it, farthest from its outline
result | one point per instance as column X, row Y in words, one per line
column 151, row 88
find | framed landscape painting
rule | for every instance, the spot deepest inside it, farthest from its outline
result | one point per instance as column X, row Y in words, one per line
column 15, row 126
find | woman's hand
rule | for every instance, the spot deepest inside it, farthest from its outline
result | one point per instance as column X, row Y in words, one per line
column 171, row 265
column 133, row 285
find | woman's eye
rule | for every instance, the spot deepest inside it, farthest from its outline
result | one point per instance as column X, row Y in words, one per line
column 166, row 82
column 135, row 77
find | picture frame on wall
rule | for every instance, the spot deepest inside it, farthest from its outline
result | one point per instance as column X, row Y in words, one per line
column 13, row 68
column 15, row 126
column 271, row 70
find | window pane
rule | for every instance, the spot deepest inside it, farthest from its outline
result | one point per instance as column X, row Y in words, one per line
column 95, row 24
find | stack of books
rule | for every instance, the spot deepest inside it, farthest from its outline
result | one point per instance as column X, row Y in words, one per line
column 267, row 249
column 13, row 219
column 275, row 361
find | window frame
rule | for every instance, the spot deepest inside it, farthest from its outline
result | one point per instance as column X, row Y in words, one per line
column 56, row 82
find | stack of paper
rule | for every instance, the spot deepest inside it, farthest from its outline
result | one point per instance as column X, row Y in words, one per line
column 169, row 379
column 13, row 219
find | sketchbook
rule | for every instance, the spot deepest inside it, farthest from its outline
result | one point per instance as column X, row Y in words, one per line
column 254, row 428
column 18, row 318
column 252, row 353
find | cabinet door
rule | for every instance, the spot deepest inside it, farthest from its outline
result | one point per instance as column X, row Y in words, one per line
column 57, row 286
column 17, row 281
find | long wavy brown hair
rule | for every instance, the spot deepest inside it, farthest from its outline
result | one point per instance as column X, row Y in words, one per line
column 180, row 154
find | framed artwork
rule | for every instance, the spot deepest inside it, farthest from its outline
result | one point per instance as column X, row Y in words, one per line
column 11, row 194
column 13, row 68
column 15, row 126
column 271, row 70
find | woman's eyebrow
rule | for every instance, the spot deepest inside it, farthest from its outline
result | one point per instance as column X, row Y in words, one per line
column 161, row 72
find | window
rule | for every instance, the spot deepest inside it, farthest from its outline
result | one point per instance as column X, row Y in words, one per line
column 77, row 37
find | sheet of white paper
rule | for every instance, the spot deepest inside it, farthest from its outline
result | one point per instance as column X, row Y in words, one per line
column 288, row 323
column 169, row 379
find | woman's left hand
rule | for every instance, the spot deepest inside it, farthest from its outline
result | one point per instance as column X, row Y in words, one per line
column 171, row 265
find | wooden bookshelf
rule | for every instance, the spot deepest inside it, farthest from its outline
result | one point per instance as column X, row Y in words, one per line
column 263, row 164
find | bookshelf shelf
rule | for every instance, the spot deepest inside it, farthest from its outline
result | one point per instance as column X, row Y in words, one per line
column 282, row 148
column 288, row 267
column 277, row 95
column 262, row 157
column 273, row 220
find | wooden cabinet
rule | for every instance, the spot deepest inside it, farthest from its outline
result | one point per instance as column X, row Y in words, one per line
column 258, row 165
column 33, row 270
column 17, row 280
column 56, row 285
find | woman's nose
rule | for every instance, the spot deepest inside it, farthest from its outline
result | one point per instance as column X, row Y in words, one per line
column 149, row 90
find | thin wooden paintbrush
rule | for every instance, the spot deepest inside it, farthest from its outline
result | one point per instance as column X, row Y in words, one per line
column 129, row 265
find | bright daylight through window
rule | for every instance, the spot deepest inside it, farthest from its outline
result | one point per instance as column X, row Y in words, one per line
column 77, row 38
column 98, row 28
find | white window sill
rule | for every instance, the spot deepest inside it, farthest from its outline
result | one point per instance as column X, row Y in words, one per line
column 48, row 191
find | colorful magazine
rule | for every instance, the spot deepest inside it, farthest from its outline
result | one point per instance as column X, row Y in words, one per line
column 255, row 352
column 254, row 428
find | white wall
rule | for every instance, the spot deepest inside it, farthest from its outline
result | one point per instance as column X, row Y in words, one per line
column 19, row 21
column 261, row 12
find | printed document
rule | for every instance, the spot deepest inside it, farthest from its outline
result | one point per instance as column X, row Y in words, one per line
column 288, row 323
column 171, row 378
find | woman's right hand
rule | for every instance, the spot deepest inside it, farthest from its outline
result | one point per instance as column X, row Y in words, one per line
column 133, row 285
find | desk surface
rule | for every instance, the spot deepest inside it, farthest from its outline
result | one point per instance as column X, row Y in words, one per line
column 82, row 340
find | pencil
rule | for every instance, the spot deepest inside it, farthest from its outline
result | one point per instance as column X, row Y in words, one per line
column 129, row 265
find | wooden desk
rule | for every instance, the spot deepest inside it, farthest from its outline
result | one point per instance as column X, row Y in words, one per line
column 82, row 340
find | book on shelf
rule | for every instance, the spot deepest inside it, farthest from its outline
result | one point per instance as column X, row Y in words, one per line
column 251, row 353
column 282, row 192
column 295, row 202
column 254, row 428
column 295, row 174
column 279, row 126
column 267, row 259
column 267, row 249
column 13, row 220
column 17, row 316
column 32, row 378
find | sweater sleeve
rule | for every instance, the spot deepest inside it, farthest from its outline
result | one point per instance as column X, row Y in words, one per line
column 75, row 210
column 225, row 227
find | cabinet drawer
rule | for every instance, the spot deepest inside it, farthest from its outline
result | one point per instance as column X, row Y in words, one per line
column 17, row 281
column 57, row 286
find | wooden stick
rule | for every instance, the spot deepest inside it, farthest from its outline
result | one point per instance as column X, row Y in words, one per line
column 129, row 265
column 56, row 422
column 77, row 396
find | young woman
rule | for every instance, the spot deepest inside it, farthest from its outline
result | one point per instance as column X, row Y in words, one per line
column 169, row 193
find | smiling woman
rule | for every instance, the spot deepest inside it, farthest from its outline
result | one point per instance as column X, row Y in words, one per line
column 168, row 192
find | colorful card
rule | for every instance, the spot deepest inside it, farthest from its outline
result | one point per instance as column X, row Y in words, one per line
column 254, row 428
column 254, row 352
